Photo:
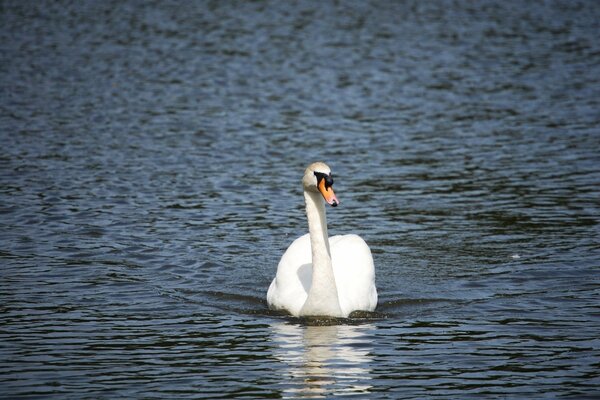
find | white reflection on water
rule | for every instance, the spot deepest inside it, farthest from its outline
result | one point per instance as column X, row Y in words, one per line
column 323, row 360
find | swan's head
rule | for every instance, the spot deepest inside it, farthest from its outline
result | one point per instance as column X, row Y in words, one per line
column 317, row 178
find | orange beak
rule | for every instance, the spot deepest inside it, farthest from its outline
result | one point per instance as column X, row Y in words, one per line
column 328, row 194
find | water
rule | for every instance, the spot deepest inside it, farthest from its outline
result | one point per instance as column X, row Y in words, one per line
column 150, row 181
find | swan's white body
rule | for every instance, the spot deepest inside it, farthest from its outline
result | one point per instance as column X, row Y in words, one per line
column 318, row 275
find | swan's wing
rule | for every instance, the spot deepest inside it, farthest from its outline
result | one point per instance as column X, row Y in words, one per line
column 354, row 273
column 290, row 286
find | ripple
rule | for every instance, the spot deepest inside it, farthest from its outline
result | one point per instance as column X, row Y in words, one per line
column 150, row 183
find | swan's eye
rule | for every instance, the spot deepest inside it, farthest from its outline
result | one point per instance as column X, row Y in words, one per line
column 328, row 179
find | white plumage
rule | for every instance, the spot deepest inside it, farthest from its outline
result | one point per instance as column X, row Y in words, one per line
column 323, row 276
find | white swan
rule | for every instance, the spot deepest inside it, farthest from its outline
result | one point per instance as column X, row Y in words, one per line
column 318, row 275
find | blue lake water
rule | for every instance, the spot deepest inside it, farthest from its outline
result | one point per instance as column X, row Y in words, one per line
column 150, row 180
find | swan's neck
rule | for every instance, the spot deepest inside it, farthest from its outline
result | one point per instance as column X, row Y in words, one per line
column 322, row 296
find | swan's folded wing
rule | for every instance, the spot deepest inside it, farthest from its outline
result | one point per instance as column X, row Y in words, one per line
column 289, row 288
column 354, row 273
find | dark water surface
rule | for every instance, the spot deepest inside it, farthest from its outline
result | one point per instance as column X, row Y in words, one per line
column 150, row 181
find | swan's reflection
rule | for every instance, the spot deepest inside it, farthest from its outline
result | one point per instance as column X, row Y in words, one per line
column 323, row 360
